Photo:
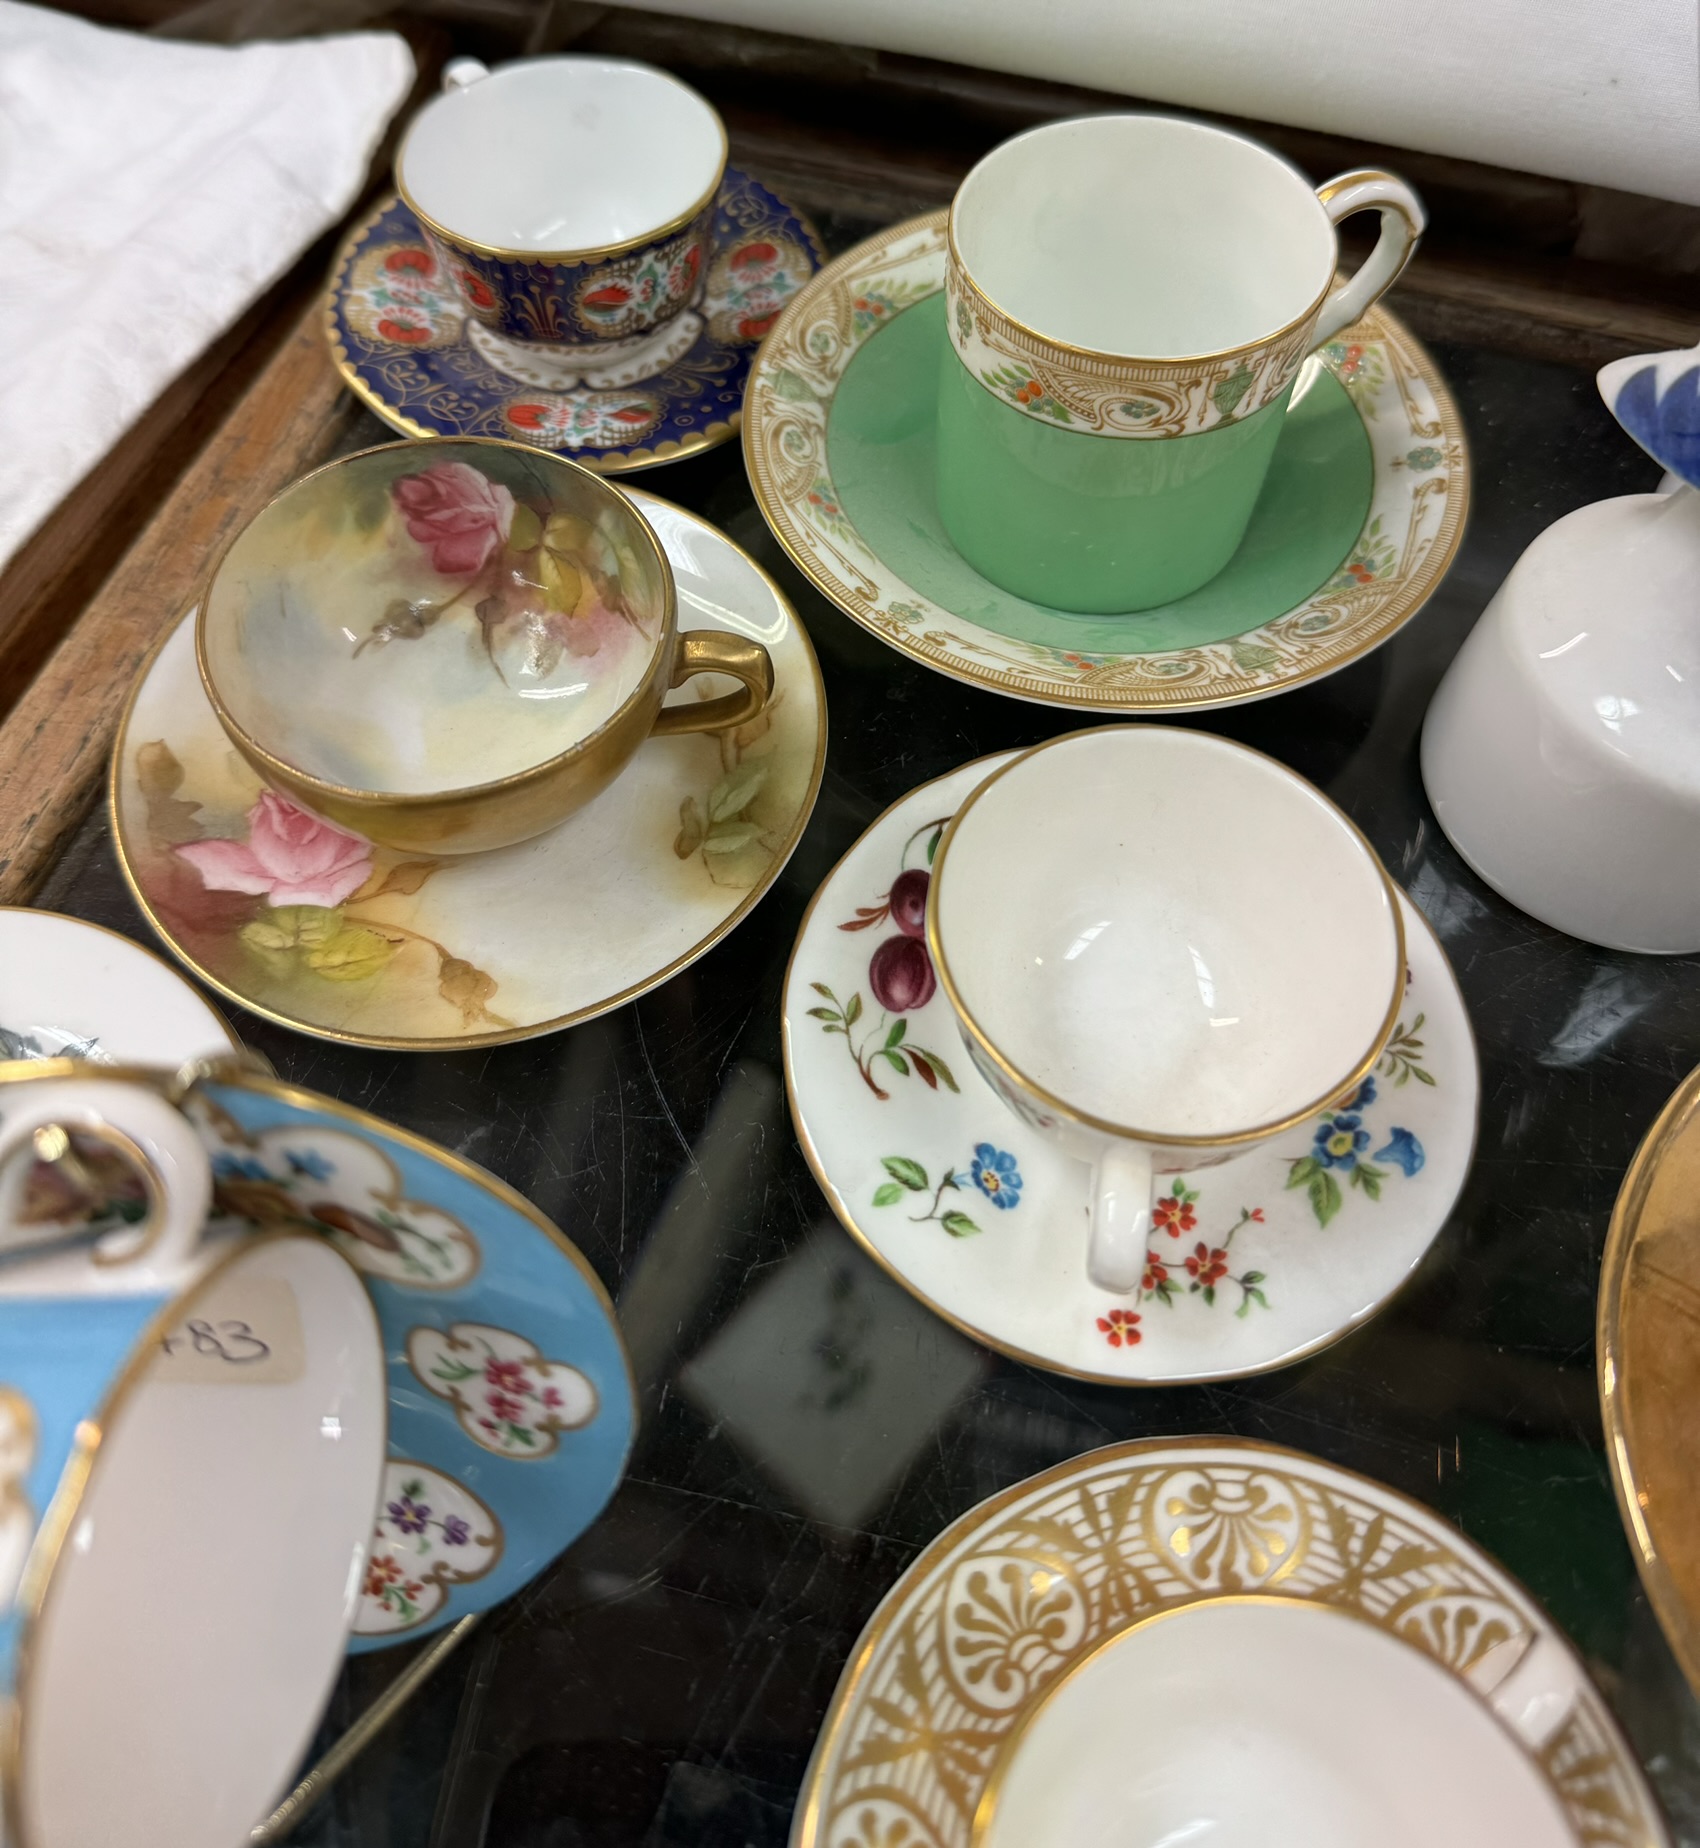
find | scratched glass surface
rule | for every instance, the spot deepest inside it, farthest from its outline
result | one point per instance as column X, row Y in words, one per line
column 663, row 1683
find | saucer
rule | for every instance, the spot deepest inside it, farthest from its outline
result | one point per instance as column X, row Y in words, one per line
column 511, row 1407
column 430, row 954
column 1649, row 1372
column 1359, row 517
column 1239, row 1556
column 404, row 344
column 73, row 990
column 1251, row 1265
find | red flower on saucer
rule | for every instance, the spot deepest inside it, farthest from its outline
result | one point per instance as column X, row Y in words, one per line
column 1120, row 1328
column 1174, row 1214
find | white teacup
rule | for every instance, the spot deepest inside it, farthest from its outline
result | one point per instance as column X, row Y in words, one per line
column 1163, row 949
column 192, row 1438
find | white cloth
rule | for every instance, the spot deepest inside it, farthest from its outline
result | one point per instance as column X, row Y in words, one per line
column 1606, row 91
column 149, row 192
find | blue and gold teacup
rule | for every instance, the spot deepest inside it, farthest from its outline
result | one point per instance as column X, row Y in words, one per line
column 192, row 1437
column 572, row 201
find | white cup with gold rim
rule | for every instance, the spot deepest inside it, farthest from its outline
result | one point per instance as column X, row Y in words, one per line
column 1163, row 949
column 192, row 1439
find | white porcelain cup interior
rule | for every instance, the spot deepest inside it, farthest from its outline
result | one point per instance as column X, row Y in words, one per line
column 1152, row 237
column 1267, row 1723
column 189, row 1638
column 1176, row 939
column 561, row 154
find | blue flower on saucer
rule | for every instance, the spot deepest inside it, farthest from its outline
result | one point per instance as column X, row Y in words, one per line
column 1403, row 1150
column 1362, row 1097
column 994, row 1172
column 1340, row 1140
column 310, row 1163
column 1656, row 397
column 239, row 1168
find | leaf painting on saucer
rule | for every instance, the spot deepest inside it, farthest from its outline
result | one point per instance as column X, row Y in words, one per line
column 431, row 1533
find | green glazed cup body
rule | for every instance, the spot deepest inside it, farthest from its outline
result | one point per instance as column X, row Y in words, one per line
column 1085, row 522
column 1129, row 300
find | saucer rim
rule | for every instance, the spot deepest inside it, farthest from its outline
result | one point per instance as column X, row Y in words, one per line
column 807, row 1819
column 1426, row 579
column 599, row 461
column 500, row 1036
column 237, row 1047
column 1009, row 1350
column 1614, row 1374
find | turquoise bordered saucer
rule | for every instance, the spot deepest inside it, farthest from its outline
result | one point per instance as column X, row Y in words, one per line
column 403, row 342
column 1359, row 518
column 1252, row 1264
column 511, row 1404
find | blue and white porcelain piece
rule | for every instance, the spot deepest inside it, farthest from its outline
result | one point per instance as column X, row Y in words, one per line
column 405, row 343
column 161, row 1386
column 511, row 1402
column 1656, row 397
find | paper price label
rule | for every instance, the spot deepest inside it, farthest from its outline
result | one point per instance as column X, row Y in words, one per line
column 244, row 1330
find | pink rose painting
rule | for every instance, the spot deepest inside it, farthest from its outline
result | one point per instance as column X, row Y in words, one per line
column 290, row 857
column 457, row 514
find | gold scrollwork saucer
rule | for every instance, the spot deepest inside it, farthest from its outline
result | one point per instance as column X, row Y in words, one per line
column 1022, row 1590
column 1648, row 1355
column 1362, row 511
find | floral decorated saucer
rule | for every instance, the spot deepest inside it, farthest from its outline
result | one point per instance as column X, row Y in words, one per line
column 511, row 1407
column 338, row 938
column 1251, row 1265
column 402, row 339
column 1335, row 1641
column 1359, row 517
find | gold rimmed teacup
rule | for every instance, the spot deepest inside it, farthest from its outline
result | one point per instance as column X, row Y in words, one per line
column 449, row 647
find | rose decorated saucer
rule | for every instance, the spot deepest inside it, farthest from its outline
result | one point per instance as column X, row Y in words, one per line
column 1251, row 1264
column 338, row 938
column 511, row 1407
column 1360, row 514
column 404, row 343
column 70, row 989
column 1211, row 1639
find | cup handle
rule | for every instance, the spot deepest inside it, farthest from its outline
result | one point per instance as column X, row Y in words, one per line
column 153, row 1132
column 462, row 73
column 1121, row 1217
column 714, row 651
column 1402, row 222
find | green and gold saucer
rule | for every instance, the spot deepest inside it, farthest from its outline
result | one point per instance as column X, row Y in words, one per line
column 1361, row 514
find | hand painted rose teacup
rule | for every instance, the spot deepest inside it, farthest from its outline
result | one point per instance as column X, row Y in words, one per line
column 1163, row 949
column 165, row 1650
column 572, row 201
column 443, row 647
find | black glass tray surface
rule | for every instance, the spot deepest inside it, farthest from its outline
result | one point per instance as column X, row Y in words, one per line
column 664, row 1682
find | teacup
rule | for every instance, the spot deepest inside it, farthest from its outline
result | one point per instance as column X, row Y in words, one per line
column 1129, row 302
column 447, row 647
column 192, row 1438
column 1163, row 949
column 572, row 201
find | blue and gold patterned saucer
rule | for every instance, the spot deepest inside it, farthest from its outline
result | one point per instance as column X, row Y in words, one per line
column 406, row 346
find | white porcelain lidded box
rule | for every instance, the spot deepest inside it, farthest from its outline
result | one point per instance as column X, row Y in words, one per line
column 1562, row 751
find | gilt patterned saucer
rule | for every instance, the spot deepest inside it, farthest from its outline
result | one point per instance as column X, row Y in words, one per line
column 405, row 345
column 1251, row 1265
column 511, row 1407
column 1360, row 515
column 1023, row 1674
column 433, row 954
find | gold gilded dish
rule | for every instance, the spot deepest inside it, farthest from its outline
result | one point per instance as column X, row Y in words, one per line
column 1648, row 1347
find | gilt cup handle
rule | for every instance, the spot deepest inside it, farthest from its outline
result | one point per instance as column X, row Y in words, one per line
column 713, row 651
column 1402, row 223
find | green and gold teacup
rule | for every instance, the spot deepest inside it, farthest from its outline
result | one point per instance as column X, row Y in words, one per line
column 1130, row 300
column 448, row 647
